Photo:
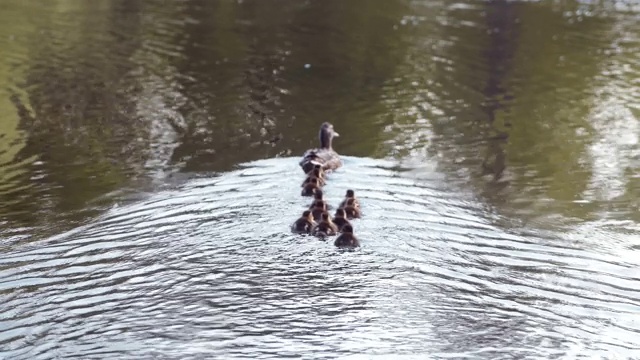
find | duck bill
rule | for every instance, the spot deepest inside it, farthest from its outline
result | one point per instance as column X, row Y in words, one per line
column 335, row 134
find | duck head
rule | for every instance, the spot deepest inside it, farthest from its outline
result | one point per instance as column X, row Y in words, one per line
column 320, row 204
column 326, row 135
column 307, row 215
column 317, row 194
column 347, row 229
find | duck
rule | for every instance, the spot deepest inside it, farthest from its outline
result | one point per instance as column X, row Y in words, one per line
column 325, row 227
column 350, row 195
column 319, row 207
column 310, row 187
column 316, row 173
column 304, row 224
column 340, row 219
column 324, row 156
column 351, row 210
column 320, row 171
column 318, row 194
column 347, row 239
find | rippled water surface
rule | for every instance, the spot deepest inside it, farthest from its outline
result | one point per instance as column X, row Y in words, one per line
column 148, row 178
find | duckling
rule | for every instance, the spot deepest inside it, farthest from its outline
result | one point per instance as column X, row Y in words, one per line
column 310, row 187
column 320, row 171
column 350, row 195
column 304, row 224
column 340, row 219
column 314, row 174
column 347, row 239
column 318, row 194
column 351, row 210
column 325, row 227
column 319, row 207
column 324, row 156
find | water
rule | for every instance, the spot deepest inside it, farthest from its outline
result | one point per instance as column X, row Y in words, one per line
column 148, row 158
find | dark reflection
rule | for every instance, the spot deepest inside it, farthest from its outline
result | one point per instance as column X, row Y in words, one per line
column 515, row 101
column 80, row 140
column 502, row 25
column 195, row 86
column 124, row 94
column 267, row 76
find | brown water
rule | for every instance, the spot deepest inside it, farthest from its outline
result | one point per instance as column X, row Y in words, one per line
column 148, row 176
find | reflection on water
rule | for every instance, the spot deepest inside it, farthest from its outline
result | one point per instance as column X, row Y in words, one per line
column 148, row 178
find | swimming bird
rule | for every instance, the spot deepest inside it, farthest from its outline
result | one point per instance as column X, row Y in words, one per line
column 340, row 219
column 319, row 207
column 318, row 194
column 315, row 174
column 310, row 187
column 324, row 156
column 320, row 171
column 350, row 195
column 304, row 224
column 351, row 210
column 347, row 239
column 325, row 227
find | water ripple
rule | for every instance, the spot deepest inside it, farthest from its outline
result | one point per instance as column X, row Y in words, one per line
column 209, row 267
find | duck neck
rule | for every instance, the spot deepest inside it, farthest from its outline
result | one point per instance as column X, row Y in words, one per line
column 325, row 140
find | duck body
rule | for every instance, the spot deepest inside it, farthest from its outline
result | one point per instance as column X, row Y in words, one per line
column 317, row 212
column 310, row 187
column 327, row 158
column 340, row 219
column 325, row 227
column 347, row 239
column 351, row 210
column 317, row 174
column 305, row 224
column 340, row 222
column 350, row 200
column 324, row 156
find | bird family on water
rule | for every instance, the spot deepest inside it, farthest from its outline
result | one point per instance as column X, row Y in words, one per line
column 316, row 220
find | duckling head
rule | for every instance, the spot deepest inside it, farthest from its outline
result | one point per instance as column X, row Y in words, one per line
column 347, row 229
column 320, row 204
column 340, row 213
column 350, row 193
column 318, row 194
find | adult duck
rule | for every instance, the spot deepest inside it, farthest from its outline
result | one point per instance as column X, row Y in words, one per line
column 324, row 156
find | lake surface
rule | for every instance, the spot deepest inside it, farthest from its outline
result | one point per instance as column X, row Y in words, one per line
column 149, row 174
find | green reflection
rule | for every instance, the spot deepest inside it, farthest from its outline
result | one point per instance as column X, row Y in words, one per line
column 101, row 96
